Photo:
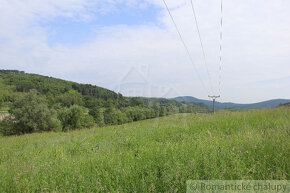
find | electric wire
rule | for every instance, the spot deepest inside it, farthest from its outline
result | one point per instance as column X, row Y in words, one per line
column 201, row 44
column 221, row 41
column 184, row 44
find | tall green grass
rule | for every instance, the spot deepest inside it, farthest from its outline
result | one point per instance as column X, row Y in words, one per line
column 156, row 155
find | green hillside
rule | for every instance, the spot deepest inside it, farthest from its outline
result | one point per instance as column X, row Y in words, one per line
column 156, row 155
column 40, row 103
column 54, row 89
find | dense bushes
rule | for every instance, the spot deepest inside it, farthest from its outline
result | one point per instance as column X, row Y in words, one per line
column 75, row 117
column 98, row 115
column 30, row 113
column 114, row 116
column 6, row 127
column 38, row 103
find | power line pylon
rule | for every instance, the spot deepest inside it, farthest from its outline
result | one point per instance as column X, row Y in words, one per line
column 213, row 102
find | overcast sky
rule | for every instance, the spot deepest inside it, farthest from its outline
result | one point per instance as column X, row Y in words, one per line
column 132, row 47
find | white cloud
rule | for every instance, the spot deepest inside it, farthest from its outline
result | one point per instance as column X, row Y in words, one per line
column 256, row 45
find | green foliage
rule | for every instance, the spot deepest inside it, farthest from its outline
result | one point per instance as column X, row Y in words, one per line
column 6, row 95
column 30, row 113
column 138, row 113
column 7, row 127
column 98, row 115
column 105, row 107
column 150, row 156
column 75, row 117
column 136, row 101
column 162, row 111
column 70, row 93
column 70, row 98
column 112, row 116
column 54, row 88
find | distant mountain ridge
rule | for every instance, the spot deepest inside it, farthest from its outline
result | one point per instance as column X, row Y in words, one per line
column 228, row 105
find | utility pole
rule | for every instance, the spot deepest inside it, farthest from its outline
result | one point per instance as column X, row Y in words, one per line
column 213, row 102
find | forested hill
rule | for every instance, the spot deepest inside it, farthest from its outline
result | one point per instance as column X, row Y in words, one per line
column 219, row 105
column 64, row 98
column 49, row 86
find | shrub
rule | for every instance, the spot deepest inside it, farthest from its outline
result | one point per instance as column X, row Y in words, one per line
column 71, row 97
column 30, row 113
column 7, row 127
column 98, row 115
column 110, row 116
column 75, row 117
column 87, row 121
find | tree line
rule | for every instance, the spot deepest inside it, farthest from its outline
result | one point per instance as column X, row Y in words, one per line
column 38, row 103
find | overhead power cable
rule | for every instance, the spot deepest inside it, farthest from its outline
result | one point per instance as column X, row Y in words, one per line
column 221, row 41
column 201, row 44
column 184, row 44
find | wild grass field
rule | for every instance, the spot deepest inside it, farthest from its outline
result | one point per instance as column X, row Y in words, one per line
column 156, row 155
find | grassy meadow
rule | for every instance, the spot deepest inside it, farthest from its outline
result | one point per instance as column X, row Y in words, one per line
column 156, row 155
